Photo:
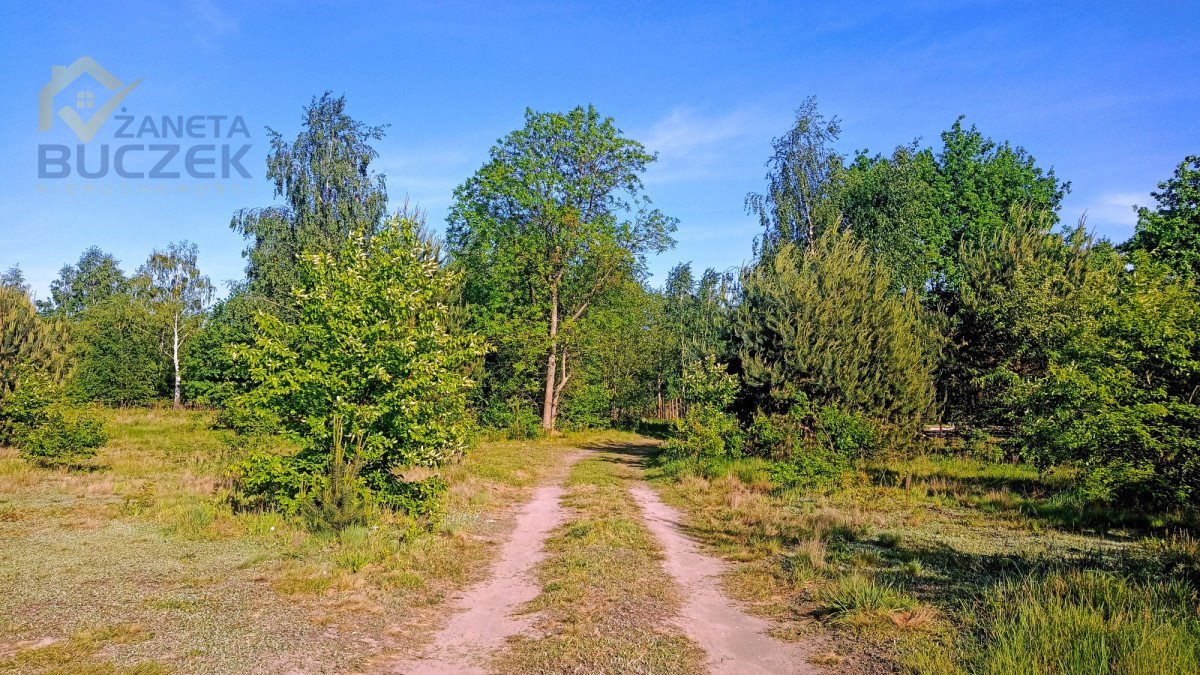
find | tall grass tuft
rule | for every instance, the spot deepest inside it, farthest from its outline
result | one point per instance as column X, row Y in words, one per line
column 1089, row 623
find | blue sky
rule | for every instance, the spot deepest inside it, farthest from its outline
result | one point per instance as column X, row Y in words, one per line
column 1105, row 92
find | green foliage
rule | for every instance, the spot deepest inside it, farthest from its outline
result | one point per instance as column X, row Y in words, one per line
column 1023, row 291
column 372, row 346
column 64, row 437
column 329, row 190
column 888, row 204
column 1119, row 397
column 706, row 431
column 177, row 296
column 35, row 418
column 117, row 353
column 554, row 222
column 824, row 325
column 92, row 280
column 1171, row 232
column 339, row 498
column 800, row 202
column 28, row 343
column 1081, row 623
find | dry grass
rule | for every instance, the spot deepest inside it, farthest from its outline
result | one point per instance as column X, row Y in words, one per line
column 890, row 560
column 606, row 605
column 144, row 537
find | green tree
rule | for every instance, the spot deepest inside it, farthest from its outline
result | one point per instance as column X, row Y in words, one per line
column 556, row 218
column 329, row 191
column 14, row 278
column 1171, row 232
column 177, row 295
column 96, row 277
column 1023, row 291
column 976, row 184
column 824, row 325
column 800, row 201
column 1119, row 398
column 28, row 343
column 118, row 353
column 372, row 348
column 888, row 203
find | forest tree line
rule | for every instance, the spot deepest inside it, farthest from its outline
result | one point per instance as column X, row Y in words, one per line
column 887, row 292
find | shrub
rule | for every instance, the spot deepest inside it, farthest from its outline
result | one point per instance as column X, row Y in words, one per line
column 704, row 433
column 374, row 346
column 36, row 419
column 64, row 437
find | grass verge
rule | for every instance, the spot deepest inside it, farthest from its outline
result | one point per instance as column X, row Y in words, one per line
column 606, row 604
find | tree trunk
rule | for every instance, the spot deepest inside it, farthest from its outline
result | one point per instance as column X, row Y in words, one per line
column 551, row 363
column 175, row 360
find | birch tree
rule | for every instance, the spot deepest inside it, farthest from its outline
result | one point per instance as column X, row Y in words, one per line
column 178, row 295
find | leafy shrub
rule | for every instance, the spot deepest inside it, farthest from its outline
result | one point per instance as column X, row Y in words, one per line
column 36, row 419
column 375, row 347
column 810, row 447
column 26, row 407
column 64, row 437
column 705, row 433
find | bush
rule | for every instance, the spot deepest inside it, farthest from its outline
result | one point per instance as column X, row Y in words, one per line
column 64, row 437
column 705, row 433
column 810, row 447
column 36, row 419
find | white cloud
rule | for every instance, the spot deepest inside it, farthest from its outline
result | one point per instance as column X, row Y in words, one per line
column 1116, row 208
column 691, row 145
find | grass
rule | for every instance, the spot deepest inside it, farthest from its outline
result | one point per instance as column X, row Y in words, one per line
column 143, row 536
column 947, row 564
column 606, row 605
column 1088, row 622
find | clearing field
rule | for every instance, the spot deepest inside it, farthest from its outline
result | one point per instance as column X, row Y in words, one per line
column 583, row 553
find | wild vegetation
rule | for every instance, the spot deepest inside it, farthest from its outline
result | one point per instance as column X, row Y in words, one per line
column 928, row 418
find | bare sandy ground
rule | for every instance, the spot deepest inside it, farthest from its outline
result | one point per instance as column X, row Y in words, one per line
column 483, row 616
column 736, row 643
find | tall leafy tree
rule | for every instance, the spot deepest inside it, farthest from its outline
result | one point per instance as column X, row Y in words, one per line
column 555, row 219
column 329, row 190
column 1171, row 231
column 800, row 199
column 177, row 295
column 96, row 277
column 117, row 346
column 14, row 278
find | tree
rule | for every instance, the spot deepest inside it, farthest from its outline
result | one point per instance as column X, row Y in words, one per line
column 554, row 220
column 96, row 277
column 372, row 349
column 976, row 184
column 28, row 343
column 178, row 295
column 117, row 347
column 14, row 278
column 1171, row 232
column 329, row 190
column 1119, row 397
column 824, row 325
column 1022, row 291
column 800, row 199
column 888, row 203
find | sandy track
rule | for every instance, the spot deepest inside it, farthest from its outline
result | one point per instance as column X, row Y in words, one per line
column 483, row 616
column 736, row 643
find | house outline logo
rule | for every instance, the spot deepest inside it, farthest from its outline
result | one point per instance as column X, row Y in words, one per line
column 61, row 77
